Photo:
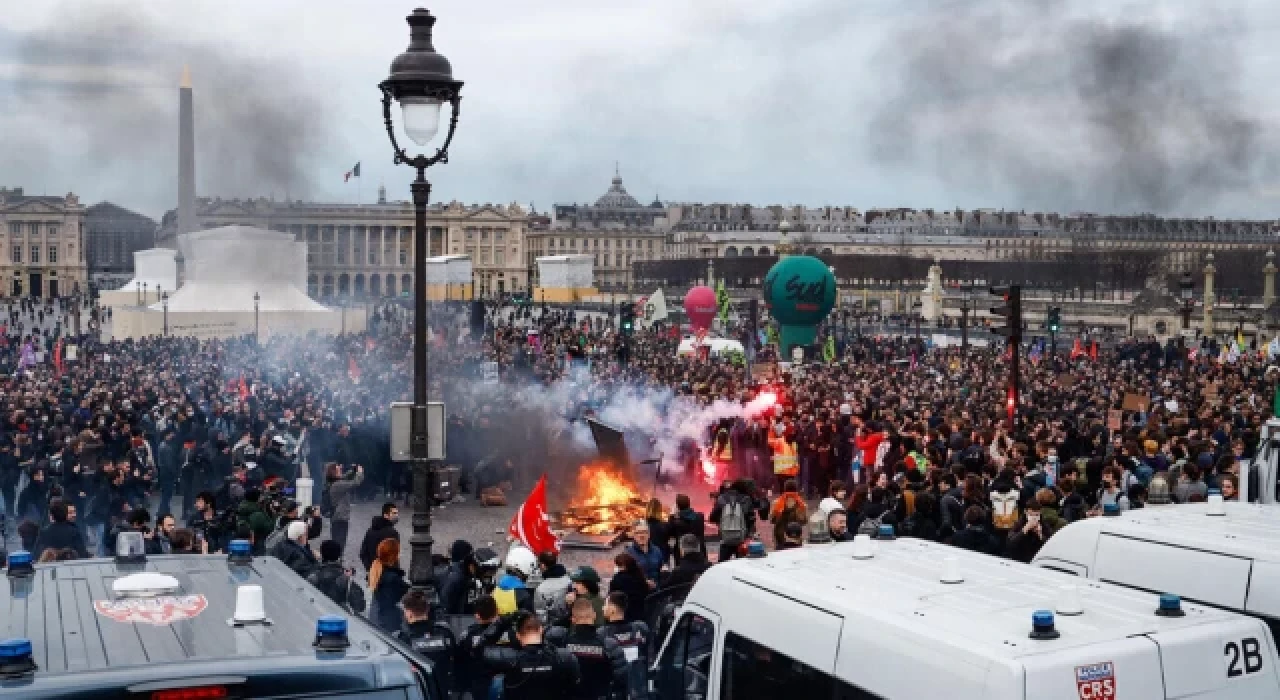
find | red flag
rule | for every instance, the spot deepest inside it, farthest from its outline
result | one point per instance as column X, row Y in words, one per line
column 353, row 371
column 1076, row 350
column 531, row 524
column 1093, row 351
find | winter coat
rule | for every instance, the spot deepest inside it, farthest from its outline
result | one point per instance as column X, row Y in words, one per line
column 976, row 539
column 555, row 583
column 650, row 561
column 686, row 522
column 340, row 496
column 298, row 557
column 636, row 588
column 687, row 571
column 379, row 530
column 384, row 610
column 453, row 592
column 259, row 523
column 58, row 536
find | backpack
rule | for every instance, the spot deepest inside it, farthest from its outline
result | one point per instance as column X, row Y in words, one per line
column 733, row 524
column 1158, row 493
column 1004, row 509
column 871, row 526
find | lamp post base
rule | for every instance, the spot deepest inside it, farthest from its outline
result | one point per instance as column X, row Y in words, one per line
column 421, row 571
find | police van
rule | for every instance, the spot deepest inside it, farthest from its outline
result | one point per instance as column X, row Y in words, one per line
column 190, row 627
column 907, row 618
column 1221, row 554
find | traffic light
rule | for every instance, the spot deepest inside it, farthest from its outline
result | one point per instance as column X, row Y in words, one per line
column 1011, row 310
column 1054, row 321
column 627, row 319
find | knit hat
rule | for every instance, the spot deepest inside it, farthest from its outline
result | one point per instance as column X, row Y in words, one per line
column 585, row 574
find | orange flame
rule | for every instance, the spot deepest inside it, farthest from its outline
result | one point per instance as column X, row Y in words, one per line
column 600, row 485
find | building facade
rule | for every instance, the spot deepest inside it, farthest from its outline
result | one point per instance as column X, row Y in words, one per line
column 43, row 243
column 725, row 230
column 112, row 235
column 366, row 251
column 616, row 231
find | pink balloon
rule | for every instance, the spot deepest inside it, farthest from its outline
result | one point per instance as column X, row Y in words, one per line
column 700, row 306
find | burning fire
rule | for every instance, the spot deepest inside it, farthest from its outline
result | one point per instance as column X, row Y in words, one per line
column 606, row 502
column 600, row 485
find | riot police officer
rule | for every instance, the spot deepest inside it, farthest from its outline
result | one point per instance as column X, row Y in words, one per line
column 632, row 637
column 533, row 670
column 601, row 661
column 432, row 640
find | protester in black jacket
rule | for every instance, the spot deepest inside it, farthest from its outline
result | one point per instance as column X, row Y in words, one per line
column 294, row 551
column 630, row 580
column 975, row 536
column 60, row 534
column 686, row 521
column 459, row 580
column 382, row 527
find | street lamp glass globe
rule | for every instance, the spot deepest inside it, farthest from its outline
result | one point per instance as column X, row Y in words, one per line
column 421, row 118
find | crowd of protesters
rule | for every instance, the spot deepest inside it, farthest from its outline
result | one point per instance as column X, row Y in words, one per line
column 198, row 442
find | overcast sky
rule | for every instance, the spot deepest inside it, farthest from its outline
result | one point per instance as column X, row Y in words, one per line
column 1108, row 106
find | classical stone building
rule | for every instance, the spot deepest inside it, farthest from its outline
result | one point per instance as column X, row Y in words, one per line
column 732, row 230
column 617, row 231
column 112, row 235
column 43, row 243
column 366, row 251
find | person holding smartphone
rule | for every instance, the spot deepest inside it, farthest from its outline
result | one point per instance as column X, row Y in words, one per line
column 1029, row 535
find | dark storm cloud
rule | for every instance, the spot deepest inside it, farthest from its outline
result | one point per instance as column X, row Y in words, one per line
column 1072, row 112
column 108, row 80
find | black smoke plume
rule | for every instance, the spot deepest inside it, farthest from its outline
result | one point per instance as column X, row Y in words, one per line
column 1117, row 115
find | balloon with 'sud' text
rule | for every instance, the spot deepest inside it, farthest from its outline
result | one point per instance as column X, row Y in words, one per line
column 799, row 292
column 700, row 306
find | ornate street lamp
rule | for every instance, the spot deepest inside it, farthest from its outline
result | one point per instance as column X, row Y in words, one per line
column 257, row 298
column 1187, row 286
column 422, row 82
column 164, row 304
column 138, row 286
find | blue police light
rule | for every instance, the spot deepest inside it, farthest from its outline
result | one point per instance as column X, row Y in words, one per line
column 755, row 550
column 240, row 552
column 331, row 633
column 1170, row 606
column 15, row 658
column 886, row 533
column 1042, row 625
column 21, row 564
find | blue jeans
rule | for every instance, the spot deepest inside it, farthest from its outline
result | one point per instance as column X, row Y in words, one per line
column 100, row 538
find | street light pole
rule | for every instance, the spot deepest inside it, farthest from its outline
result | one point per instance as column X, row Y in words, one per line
column 421, row 81
column 256, row 298
column 164, row 304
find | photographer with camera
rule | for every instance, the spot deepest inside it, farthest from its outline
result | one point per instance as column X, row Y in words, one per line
column 341, row 486
column 206, row 525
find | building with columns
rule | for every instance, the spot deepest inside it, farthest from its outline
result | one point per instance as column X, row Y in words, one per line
column 365, row 251
column 43, row 243
column 617, row 231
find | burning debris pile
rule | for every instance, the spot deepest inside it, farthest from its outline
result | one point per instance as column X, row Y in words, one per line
column 604, row 505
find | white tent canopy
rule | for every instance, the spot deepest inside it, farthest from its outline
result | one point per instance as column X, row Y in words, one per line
column 226, row 266
column 157, row 268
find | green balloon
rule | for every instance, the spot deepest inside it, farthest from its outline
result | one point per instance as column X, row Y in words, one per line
column 799, row 292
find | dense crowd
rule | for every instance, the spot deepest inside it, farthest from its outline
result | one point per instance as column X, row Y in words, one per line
column 195, row 443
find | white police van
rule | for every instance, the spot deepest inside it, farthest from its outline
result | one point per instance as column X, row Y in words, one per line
column 913, row 619
column 1221, row 554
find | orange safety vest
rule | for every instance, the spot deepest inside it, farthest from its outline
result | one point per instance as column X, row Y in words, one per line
column 784, row 457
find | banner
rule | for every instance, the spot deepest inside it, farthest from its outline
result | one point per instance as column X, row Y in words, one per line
column 655, row 309
column 531, row 524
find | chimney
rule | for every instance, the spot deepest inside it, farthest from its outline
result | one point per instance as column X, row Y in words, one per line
column 186, row 156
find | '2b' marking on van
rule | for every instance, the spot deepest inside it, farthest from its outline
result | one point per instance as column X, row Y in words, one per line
column 1096, row 681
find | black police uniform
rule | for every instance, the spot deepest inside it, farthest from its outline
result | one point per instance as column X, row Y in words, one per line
column 600, row 660
column 633, row 638
column 433, row 641
column 469, row 672
column 533, row 672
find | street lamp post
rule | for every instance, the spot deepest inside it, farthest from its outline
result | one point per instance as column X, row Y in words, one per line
column 257, row 298
column 164, row 305
column 138, row 286
column 1187, row 286
column 421, row 81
